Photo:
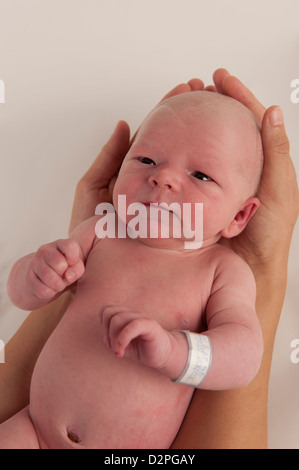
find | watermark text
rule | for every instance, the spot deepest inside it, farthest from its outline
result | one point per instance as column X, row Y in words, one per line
column 295, row 353
column 151, row 221
column 295, row 93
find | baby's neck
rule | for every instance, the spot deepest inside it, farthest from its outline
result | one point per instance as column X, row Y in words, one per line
column 176, row 246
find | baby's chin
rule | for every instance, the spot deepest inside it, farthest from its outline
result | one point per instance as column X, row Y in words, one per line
column 175, row 244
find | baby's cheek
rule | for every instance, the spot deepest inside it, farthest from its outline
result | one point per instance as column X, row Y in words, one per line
column 215, row 218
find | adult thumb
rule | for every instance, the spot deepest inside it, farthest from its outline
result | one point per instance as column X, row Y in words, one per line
column 279, row 175
column 275, row 140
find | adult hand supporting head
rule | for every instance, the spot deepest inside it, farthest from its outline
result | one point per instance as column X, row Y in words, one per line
column 267, row 237
column 238, row 418
column 95, row 185
column 269, row 232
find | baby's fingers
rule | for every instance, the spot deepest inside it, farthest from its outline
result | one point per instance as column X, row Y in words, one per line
column 44, row 281
column 54, row 267
column 113, row 319
column 73, row 273
column 71, row 266
column 121, row 327
column 70, row 250
column 58, row 255
column 137, row 328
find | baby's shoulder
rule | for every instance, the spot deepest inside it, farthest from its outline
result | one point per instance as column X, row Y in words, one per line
column 231, row 268
column 226, row 255
column 220, row 255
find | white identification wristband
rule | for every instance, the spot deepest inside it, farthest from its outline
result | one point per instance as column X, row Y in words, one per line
column 199, row 359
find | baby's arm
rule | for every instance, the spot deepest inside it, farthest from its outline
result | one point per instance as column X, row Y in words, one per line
column 232, row 328
column 40, row 277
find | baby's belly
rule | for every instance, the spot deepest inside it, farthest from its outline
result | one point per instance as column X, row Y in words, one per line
column 82, row 396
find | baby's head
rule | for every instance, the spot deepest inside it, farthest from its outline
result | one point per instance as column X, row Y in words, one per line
column 197, row 147
column 229, row 123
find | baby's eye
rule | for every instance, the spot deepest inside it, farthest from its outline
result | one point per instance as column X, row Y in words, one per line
column 146, row 161
column 201, row 176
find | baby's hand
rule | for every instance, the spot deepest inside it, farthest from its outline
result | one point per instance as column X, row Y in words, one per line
column 54, row 267
column 136, row 336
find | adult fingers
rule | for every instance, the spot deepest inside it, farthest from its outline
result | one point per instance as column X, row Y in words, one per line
column 196, row 84
column 274, row 135
column 193, row 85
column 233, row 87
column 177, row 90
column 219, row 76
column 279, row 176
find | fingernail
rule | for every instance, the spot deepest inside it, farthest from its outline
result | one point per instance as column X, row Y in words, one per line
column 70, row 276
column 276, row 117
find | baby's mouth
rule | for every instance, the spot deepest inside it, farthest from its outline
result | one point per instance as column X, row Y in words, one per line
column 172, row 208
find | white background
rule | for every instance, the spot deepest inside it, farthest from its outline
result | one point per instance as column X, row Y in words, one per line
column 73, row 68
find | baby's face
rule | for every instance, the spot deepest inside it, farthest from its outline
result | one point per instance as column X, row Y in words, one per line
column 206, row 154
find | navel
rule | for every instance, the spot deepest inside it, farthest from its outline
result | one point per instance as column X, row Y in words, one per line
column 73, row 437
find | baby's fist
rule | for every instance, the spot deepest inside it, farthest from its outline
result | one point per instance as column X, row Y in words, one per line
column 54, row 267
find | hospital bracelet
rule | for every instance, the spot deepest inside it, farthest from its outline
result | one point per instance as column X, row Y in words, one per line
column 199, row 359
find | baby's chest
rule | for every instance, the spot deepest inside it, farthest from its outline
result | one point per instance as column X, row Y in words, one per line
column 172, row 291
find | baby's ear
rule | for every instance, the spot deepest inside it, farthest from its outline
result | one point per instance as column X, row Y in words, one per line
column 248, row 209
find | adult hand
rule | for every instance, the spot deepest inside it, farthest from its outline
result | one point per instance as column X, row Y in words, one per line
column 268, row 234
column 271, row 228
column 95, row 185
column 228, row 418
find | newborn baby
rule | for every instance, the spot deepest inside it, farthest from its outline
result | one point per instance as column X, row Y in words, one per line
column 151, row 319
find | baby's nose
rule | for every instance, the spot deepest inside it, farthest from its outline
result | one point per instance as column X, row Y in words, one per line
column 166, row 178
